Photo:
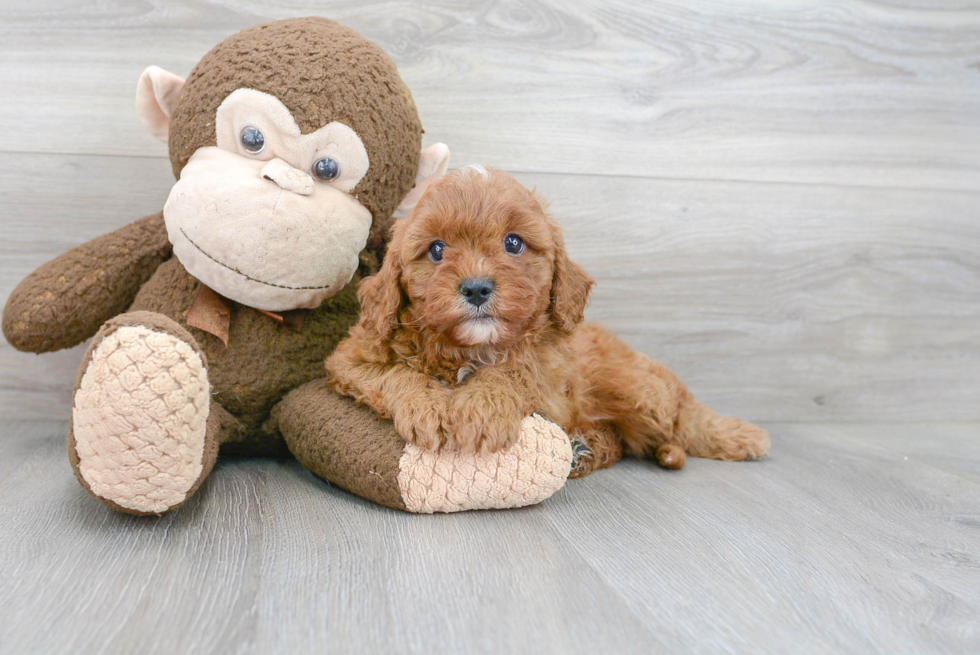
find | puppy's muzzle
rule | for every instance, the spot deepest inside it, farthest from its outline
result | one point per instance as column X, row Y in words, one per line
column 476, row 290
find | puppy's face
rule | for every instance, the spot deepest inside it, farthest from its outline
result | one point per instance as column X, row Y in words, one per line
column 478, row 259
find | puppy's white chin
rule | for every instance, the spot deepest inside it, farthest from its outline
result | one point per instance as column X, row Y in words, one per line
column 477, row 331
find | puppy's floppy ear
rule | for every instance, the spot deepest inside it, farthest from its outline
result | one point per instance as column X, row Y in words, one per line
column 570, row 288
column 381, row 296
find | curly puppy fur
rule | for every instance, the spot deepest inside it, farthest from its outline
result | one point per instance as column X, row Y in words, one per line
column 451, row 372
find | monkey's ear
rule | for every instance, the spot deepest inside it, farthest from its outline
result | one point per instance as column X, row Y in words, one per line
column 433, row 164
column 156, row 96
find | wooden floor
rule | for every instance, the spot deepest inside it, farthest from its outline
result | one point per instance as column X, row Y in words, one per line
column 846, row 539
column 778, row 198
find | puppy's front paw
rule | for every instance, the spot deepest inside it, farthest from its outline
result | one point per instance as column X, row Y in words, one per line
column 481, row 423
column 422, row 418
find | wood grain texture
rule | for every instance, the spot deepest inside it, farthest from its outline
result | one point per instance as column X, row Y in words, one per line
column 778, row 199
column 851, row 92
column 772, row 301
column 847, row 539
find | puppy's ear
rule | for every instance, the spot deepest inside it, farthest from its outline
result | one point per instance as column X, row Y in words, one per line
column 381, row 296
column 570, row 288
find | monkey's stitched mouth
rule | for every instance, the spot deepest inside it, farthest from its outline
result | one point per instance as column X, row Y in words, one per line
column 247, row 277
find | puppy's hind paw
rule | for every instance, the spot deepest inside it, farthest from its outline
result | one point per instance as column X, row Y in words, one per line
column 582, row 458
column 742, row 440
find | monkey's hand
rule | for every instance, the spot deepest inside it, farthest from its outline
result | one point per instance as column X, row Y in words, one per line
column 66, row 300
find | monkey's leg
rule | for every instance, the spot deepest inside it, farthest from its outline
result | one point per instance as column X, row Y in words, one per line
column 144, row 431
column 653, row 411
column 349, row 445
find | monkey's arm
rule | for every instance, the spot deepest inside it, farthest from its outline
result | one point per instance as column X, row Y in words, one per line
column 66, row 300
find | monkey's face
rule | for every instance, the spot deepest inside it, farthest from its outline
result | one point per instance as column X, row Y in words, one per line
column 294, row 143
column 266, row 218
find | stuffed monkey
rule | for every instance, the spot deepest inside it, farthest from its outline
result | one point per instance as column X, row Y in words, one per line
column 293, row 144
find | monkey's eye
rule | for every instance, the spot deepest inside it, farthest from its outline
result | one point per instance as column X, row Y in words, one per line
column 513, row 244
column 253, row 140
column 326, row 169
column 435, row 251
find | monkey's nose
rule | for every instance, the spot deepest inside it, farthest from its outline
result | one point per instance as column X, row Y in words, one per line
column 287, row 177
column 476, row 290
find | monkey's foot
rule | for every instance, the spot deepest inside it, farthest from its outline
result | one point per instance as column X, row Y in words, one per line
column 349, row 445
column 451, row 481
column 139, row 434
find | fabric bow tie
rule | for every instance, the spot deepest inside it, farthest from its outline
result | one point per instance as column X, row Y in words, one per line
column 211, row 312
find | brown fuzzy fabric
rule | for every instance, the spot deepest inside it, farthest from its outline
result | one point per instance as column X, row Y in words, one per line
column 263, row 360
column 322, row 72
column 66, row 300
column 216, row 417
column 339, row 441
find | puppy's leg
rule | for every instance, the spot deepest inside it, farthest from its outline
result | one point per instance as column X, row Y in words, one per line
column 486, row 411
column 417, row 403
column 603, row 448
column 655, row 414
column 708, row 434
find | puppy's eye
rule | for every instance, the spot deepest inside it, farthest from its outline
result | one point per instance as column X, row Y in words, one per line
column 326, row 169
column 253, row 140
column 513, row 244
column 435, row 251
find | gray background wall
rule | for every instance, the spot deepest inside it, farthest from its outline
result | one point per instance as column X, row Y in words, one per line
column 779, row 199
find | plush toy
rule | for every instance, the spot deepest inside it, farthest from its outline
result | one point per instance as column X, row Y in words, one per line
column 293, row 144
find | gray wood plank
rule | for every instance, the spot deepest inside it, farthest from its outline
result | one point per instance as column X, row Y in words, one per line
column 269, row 559
column 772, row 301
column 847, row 539
column 870, row 92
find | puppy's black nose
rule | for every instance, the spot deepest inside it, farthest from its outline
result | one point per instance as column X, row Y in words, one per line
column 476, row 290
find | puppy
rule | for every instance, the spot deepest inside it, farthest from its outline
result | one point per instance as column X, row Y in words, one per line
column 475, row 321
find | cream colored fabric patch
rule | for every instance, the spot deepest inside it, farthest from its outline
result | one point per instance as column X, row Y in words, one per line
column 433, row 163
column 257, row 244
column 287, row 178
column 156, row 96
column 266, row 113
column 140, row 418
column 451, row 481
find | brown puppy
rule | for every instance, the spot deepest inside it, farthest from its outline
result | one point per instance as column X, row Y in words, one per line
column 475, row 321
